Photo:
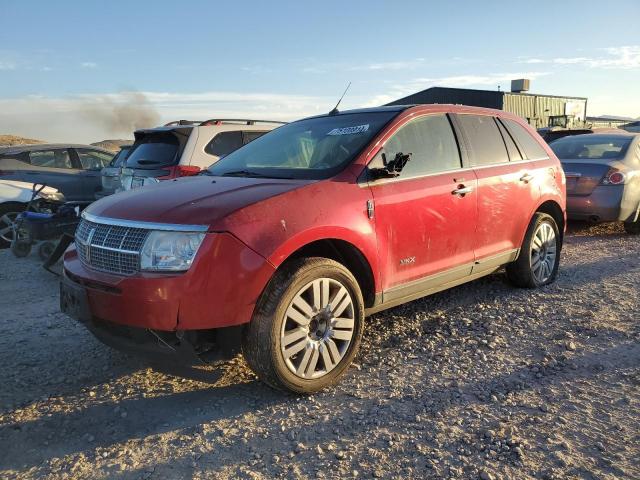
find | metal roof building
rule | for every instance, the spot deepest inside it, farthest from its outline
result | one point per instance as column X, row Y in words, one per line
column 539, row 110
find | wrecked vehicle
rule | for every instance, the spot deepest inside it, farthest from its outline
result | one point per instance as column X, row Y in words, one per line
column 286, row 244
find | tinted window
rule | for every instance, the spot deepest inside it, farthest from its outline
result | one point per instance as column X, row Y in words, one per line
column 224, row 143
column 120, row 157
column 93, row 160
column 512, row 148
column 431, row 143
column 51, row 159
column 313, row 148
column 251, row 135
column 154, row 150
column 485, row 142
column 592, row 147
column 530, row 146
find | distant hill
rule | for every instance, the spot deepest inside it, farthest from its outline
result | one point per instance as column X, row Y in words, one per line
column 113, row 145
column 11, row 140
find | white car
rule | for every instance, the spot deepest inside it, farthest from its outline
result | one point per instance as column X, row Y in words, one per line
column 14, row 197
column 184, row 148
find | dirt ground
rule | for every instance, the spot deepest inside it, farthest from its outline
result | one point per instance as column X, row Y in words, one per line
column 482, row 381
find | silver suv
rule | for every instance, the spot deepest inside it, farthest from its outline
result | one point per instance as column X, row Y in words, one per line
column 185, row 147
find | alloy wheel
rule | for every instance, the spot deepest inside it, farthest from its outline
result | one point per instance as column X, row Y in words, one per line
column 543, row 252
column 6, row 226
column 318, row 328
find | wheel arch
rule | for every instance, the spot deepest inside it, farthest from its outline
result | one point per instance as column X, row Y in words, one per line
column 345, row 253
column 552, row 208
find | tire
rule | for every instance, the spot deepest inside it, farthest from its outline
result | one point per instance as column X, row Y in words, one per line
column 20, row 249
column 8, row 212
column 542, row 239
column 305, row 352
column 632, row 228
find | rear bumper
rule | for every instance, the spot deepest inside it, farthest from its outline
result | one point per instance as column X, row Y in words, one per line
column 219, row 290
column 602, row 205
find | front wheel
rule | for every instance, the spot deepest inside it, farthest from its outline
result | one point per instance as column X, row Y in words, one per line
column 307, row 326
column 539, row 258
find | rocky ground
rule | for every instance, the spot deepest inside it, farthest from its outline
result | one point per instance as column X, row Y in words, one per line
column 483, row 381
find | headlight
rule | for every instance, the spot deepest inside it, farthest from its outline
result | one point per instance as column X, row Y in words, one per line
column 170, row 251
column 52, row 196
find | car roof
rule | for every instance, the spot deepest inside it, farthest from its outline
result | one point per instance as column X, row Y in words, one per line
column 420, row 108
column 48, row 146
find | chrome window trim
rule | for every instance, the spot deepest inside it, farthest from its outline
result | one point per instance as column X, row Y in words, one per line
column 171, row 227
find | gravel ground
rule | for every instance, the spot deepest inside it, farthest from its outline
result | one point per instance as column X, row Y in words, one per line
column 483, row 381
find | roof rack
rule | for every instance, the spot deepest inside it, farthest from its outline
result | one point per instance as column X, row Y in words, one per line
column 183, row 122
column 246, row 121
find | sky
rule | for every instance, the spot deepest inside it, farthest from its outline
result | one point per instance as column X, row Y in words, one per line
column 82, row 71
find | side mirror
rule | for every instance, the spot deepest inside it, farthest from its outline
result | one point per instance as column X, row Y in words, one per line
column 391, row 168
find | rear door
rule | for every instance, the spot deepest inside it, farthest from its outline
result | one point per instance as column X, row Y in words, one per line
column 425, row 229
column 91, row 162
column 508, row 188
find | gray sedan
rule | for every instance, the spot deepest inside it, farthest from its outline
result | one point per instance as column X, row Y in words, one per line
column 603, row 177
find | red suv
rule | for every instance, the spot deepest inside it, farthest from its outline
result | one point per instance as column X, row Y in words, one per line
column 285, row 246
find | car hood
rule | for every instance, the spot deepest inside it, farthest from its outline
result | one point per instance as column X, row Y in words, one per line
column 198, row 200
column 12, row 190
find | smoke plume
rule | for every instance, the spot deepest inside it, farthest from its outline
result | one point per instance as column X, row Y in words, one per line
column 122, row 113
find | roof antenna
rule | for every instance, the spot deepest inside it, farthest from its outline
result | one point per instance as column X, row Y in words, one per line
column 335, row 109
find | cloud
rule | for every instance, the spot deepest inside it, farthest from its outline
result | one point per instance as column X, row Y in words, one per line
column 624, row 57
column 89, row 65
column 7, row 65
column 400, row 65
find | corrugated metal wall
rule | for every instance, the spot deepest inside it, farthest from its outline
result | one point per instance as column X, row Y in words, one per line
column 538, row 108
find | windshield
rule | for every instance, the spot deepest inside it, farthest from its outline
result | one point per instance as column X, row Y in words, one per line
column 314, row 148
column 591, row 147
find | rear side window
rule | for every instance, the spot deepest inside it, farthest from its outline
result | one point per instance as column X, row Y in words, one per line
column 250, row 136
column 485, row 141
column 93, row 160
column 50, row 159
column 224, row 143
column 431, row 143
column 512, row 148
column 155, row 150
column 530, row 146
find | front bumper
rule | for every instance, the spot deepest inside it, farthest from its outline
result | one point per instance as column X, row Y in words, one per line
column 219, row 290
column 602, row 205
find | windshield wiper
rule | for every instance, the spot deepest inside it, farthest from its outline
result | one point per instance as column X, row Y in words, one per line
column 148, row 162
column 241, row 173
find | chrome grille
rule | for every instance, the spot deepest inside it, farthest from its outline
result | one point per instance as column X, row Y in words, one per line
column 110, row 248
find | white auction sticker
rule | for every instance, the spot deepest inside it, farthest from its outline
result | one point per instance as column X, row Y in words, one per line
column 349, row 130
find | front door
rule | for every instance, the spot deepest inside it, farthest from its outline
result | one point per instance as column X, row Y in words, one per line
column 426, row 217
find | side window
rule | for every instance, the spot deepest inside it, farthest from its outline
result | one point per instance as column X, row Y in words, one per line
column 93, row 160
column 224, row 143
column 50, row 159
column 485, row 142
column 530, row 146
column 432, row 145
column 512, row 148
column 250, row 136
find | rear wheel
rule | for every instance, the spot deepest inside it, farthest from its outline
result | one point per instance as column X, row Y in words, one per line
column 539, row 258
column 307, row 326
column 632, row 228
column 8, row 213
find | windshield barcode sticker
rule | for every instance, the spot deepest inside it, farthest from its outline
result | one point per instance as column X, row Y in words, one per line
column 349, row 130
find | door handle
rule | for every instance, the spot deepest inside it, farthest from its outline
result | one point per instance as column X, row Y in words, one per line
column 462, row 190
column 526, row 178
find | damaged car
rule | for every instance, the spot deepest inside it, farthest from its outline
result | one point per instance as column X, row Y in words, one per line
column 284, row 246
